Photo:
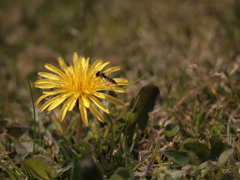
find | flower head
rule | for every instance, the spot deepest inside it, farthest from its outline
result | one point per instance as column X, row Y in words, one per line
column 79, row 84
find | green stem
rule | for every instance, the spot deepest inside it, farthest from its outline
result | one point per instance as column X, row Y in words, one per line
column 34, row 117
column 79, row 128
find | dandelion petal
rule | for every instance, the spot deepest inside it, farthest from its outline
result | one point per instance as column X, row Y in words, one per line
column 114, row 100
column 41, row 98
column 48, row 76
column 62, row 64
column 96, row 113
column 99, row 104
column 53, row 69
column 121, row 81
column 83, row 112
column 111, row 70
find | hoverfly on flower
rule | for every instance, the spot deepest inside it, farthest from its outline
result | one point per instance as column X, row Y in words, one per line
column 105, row 77
column 79, row 83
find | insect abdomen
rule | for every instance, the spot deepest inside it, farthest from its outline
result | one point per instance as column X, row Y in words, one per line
column 104, row 76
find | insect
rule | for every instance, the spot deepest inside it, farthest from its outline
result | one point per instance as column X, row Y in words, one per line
column 105, row 77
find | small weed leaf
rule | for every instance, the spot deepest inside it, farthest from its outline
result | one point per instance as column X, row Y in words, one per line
column 200, row 150
column 220, row 149
column 224, row 157
column 86, row 170
column 157, row 127
column 186, row 141
column 76, row 171
column 79, row 150
column 66, row 151
column 83, row 148
column 171, row 130
column 180, row 157
column 122, row 174
column 139, row 109
column 41, row 168
column 16, row 131
column 176, row 173
column 116, row 177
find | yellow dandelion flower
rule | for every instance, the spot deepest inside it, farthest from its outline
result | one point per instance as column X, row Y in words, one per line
column 80, row 83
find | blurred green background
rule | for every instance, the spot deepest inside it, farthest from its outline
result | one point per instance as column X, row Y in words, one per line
column 153, row 39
